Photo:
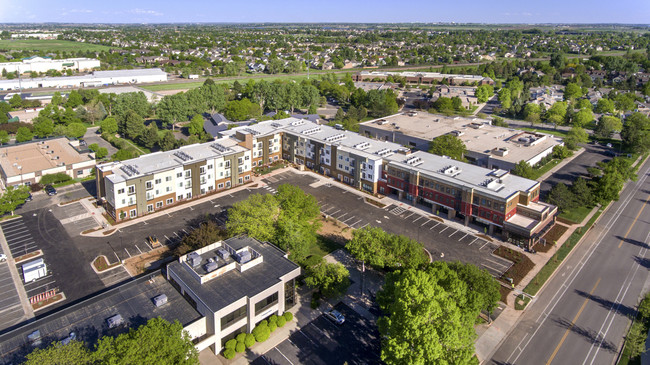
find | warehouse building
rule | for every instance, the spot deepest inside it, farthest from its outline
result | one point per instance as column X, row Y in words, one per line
column 96, row 78
column 44, row 64
column 487, row 145
column 26, row 163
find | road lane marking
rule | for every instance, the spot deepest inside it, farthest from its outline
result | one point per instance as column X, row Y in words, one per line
column 634, row 222
column 573, row 322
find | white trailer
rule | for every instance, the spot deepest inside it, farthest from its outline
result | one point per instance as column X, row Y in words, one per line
column 34, row 270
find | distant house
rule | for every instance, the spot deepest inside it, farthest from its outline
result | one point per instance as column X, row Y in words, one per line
column 314, row 118
column 218, row 123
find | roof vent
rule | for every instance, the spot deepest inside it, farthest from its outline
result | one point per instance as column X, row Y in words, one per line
column 159, row 300
column 362, row 145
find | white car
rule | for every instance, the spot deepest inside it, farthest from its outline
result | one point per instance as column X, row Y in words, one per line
column 335, row 316
column 3, row 257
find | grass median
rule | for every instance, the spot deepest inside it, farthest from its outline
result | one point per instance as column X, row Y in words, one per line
column 555, row 261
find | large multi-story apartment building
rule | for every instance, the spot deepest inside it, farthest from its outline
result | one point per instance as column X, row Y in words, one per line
column 505, row 204
column 415, row 77
column 156, row 181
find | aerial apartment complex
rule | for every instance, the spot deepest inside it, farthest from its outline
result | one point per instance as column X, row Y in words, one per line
column 505, row 204
column 487, row 145
column 216, row 292
column 414, row 77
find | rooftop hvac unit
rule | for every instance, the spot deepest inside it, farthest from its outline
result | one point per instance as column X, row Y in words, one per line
column 114, row 321
column 243, row 257
column 159, row 300
column 223, row 253
column 194, row 259
column 211, row 266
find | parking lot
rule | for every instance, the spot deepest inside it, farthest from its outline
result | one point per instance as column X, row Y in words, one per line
column 323, row 342
column 444, row 242
column 11, row 311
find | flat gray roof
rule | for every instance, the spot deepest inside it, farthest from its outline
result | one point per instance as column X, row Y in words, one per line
column 345, row 140
column 234, row 285
column 164, row 161
column 87, row 319
column 435, row 75
column 483, row 139
column 491, row 182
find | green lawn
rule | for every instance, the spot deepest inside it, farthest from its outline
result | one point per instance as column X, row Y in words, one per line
column 557, row 133
column 323, row 247
column 225, row 80
column 49, row 45
column 575, row 215
column 544, row 169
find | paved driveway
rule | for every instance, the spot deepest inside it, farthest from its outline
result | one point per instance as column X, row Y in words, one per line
column 92, row 136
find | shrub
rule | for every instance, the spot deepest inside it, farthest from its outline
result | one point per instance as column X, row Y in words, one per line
column 240, row 337
column 230, row 344
column 281, row 321
column 273, row 326
column 249, row 340
column 228, row 353
column 240, row 347
column 288, row 316
column 264, row 323
column 273, row 319
column 261, row 332
column 55, row 178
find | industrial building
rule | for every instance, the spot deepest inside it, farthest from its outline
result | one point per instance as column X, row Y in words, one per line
column 487, row 145
column 45, row 64
column 96, row 78
column 427, row 78
column 26, row 163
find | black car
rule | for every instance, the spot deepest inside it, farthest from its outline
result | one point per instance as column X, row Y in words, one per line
column 50, row 190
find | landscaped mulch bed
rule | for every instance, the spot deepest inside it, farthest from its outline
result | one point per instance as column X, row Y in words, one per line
column 522, row 264
column 375, row 203
column 100, row 264
column 565, row 221
column 553, row 235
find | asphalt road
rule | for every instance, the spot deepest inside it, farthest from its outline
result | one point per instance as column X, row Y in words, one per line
column 582, row 314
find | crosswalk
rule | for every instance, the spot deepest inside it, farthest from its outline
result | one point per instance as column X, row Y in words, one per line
column 397, row 210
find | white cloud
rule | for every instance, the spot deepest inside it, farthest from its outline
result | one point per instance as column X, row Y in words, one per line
column 81, row 11
column 145, row 12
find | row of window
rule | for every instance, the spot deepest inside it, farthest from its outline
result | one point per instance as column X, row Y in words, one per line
column 495, row 205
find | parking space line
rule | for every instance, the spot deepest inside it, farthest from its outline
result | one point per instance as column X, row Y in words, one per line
column 355, row 223
column 497, row 263
column 349, row 219
column 409, row 215
column 138, row 248
column 24, row 235
column 183, row 229
column 463, row 236
column 15, row 229
column 428, row 221
column 453, row 233
column 486, row 242
column 473, row 241
column 40, row 286
column 493, row 269
column 118, row 258
column 432, row 227
column 342, row 215
column 283, row 355
column 444, row 229
column 418, row 218
column 177, row 234
column 364, row 225
column 335, row 212
column 319, row 330
column 127, row 252
column 307, row 337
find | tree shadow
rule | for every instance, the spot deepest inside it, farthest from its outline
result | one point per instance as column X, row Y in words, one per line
column 644, row 262
column 590, row 335
column 633, row 242
column 90, row 186
column 608, row 304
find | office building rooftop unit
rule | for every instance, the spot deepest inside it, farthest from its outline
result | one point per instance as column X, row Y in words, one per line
column 226, row 271
column 417, row 129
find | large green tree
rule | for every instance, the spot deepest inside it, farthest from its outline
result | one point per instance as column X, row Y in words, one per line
column 381, row 249
column 575, row 136
column 12, row 198
column 332, row 279
column 448, row 145
column 636, row 133
column 254, row 216
column 75, row 352
column 523, row 169
column 607, row 126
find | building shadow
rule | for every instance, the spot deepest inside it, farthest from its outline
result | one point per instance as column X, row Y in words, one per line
column 644, row 262
column 590, row 335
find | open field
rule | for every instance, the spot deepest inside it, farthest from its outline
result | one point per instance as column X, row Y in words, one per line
column 49, row 45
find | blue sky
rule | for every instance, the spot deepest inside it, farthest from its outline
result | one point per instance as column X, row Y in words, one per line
column 483, row 11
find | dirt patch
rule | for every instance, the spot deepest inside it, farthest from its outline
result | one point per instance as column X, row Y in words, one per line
column 504, row 293
column 436, row 218
column 91, row 230
column 48, row 301
column 522, row 264
column 100, row 264
column 335, row 230
column 148, row 261
column 171, row 92
column 28, row 256
column 109, row 232
column 485, row 237
column 375, row 203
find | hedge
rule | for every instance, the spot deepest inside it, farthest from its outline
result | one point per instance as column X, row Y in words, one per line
column 240, row 337
column 228, row 353
column 281, row 321
column 230, row 344
column 288, row 316
column 273, row 326
column 55, row 178
column 249, row 340
column 261, row 332
column 240, row 347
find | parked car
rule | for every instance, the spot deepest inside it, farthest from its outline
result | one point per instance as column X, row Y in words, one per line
column 335, row 316
column 29, row 198
column 50, row 190
column 83, row 143
column 3, row 257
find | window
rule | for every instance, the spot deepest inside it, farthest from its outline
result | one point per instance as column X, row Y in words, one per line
column 168, row 189
column 241, row 181
column 247, row 177
column 180, row 174
column 233, row 317
column 120, row 191
column 150, row 208
column 247, row 157
column 180, row 197
column 123, row 201
column 80, row 172
column 220, row 186
column 168, row 178
column 133, row 213
column 202, row 170
column 131, row 189
column 169, row 201
column 188, row 173
column 209, row 167
column 188, row 195
column 266, row 303
column 158, row 181
column 254, row 163
column 159, row 205
column 227, row 164
column 149, row 185
column 228, row 184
